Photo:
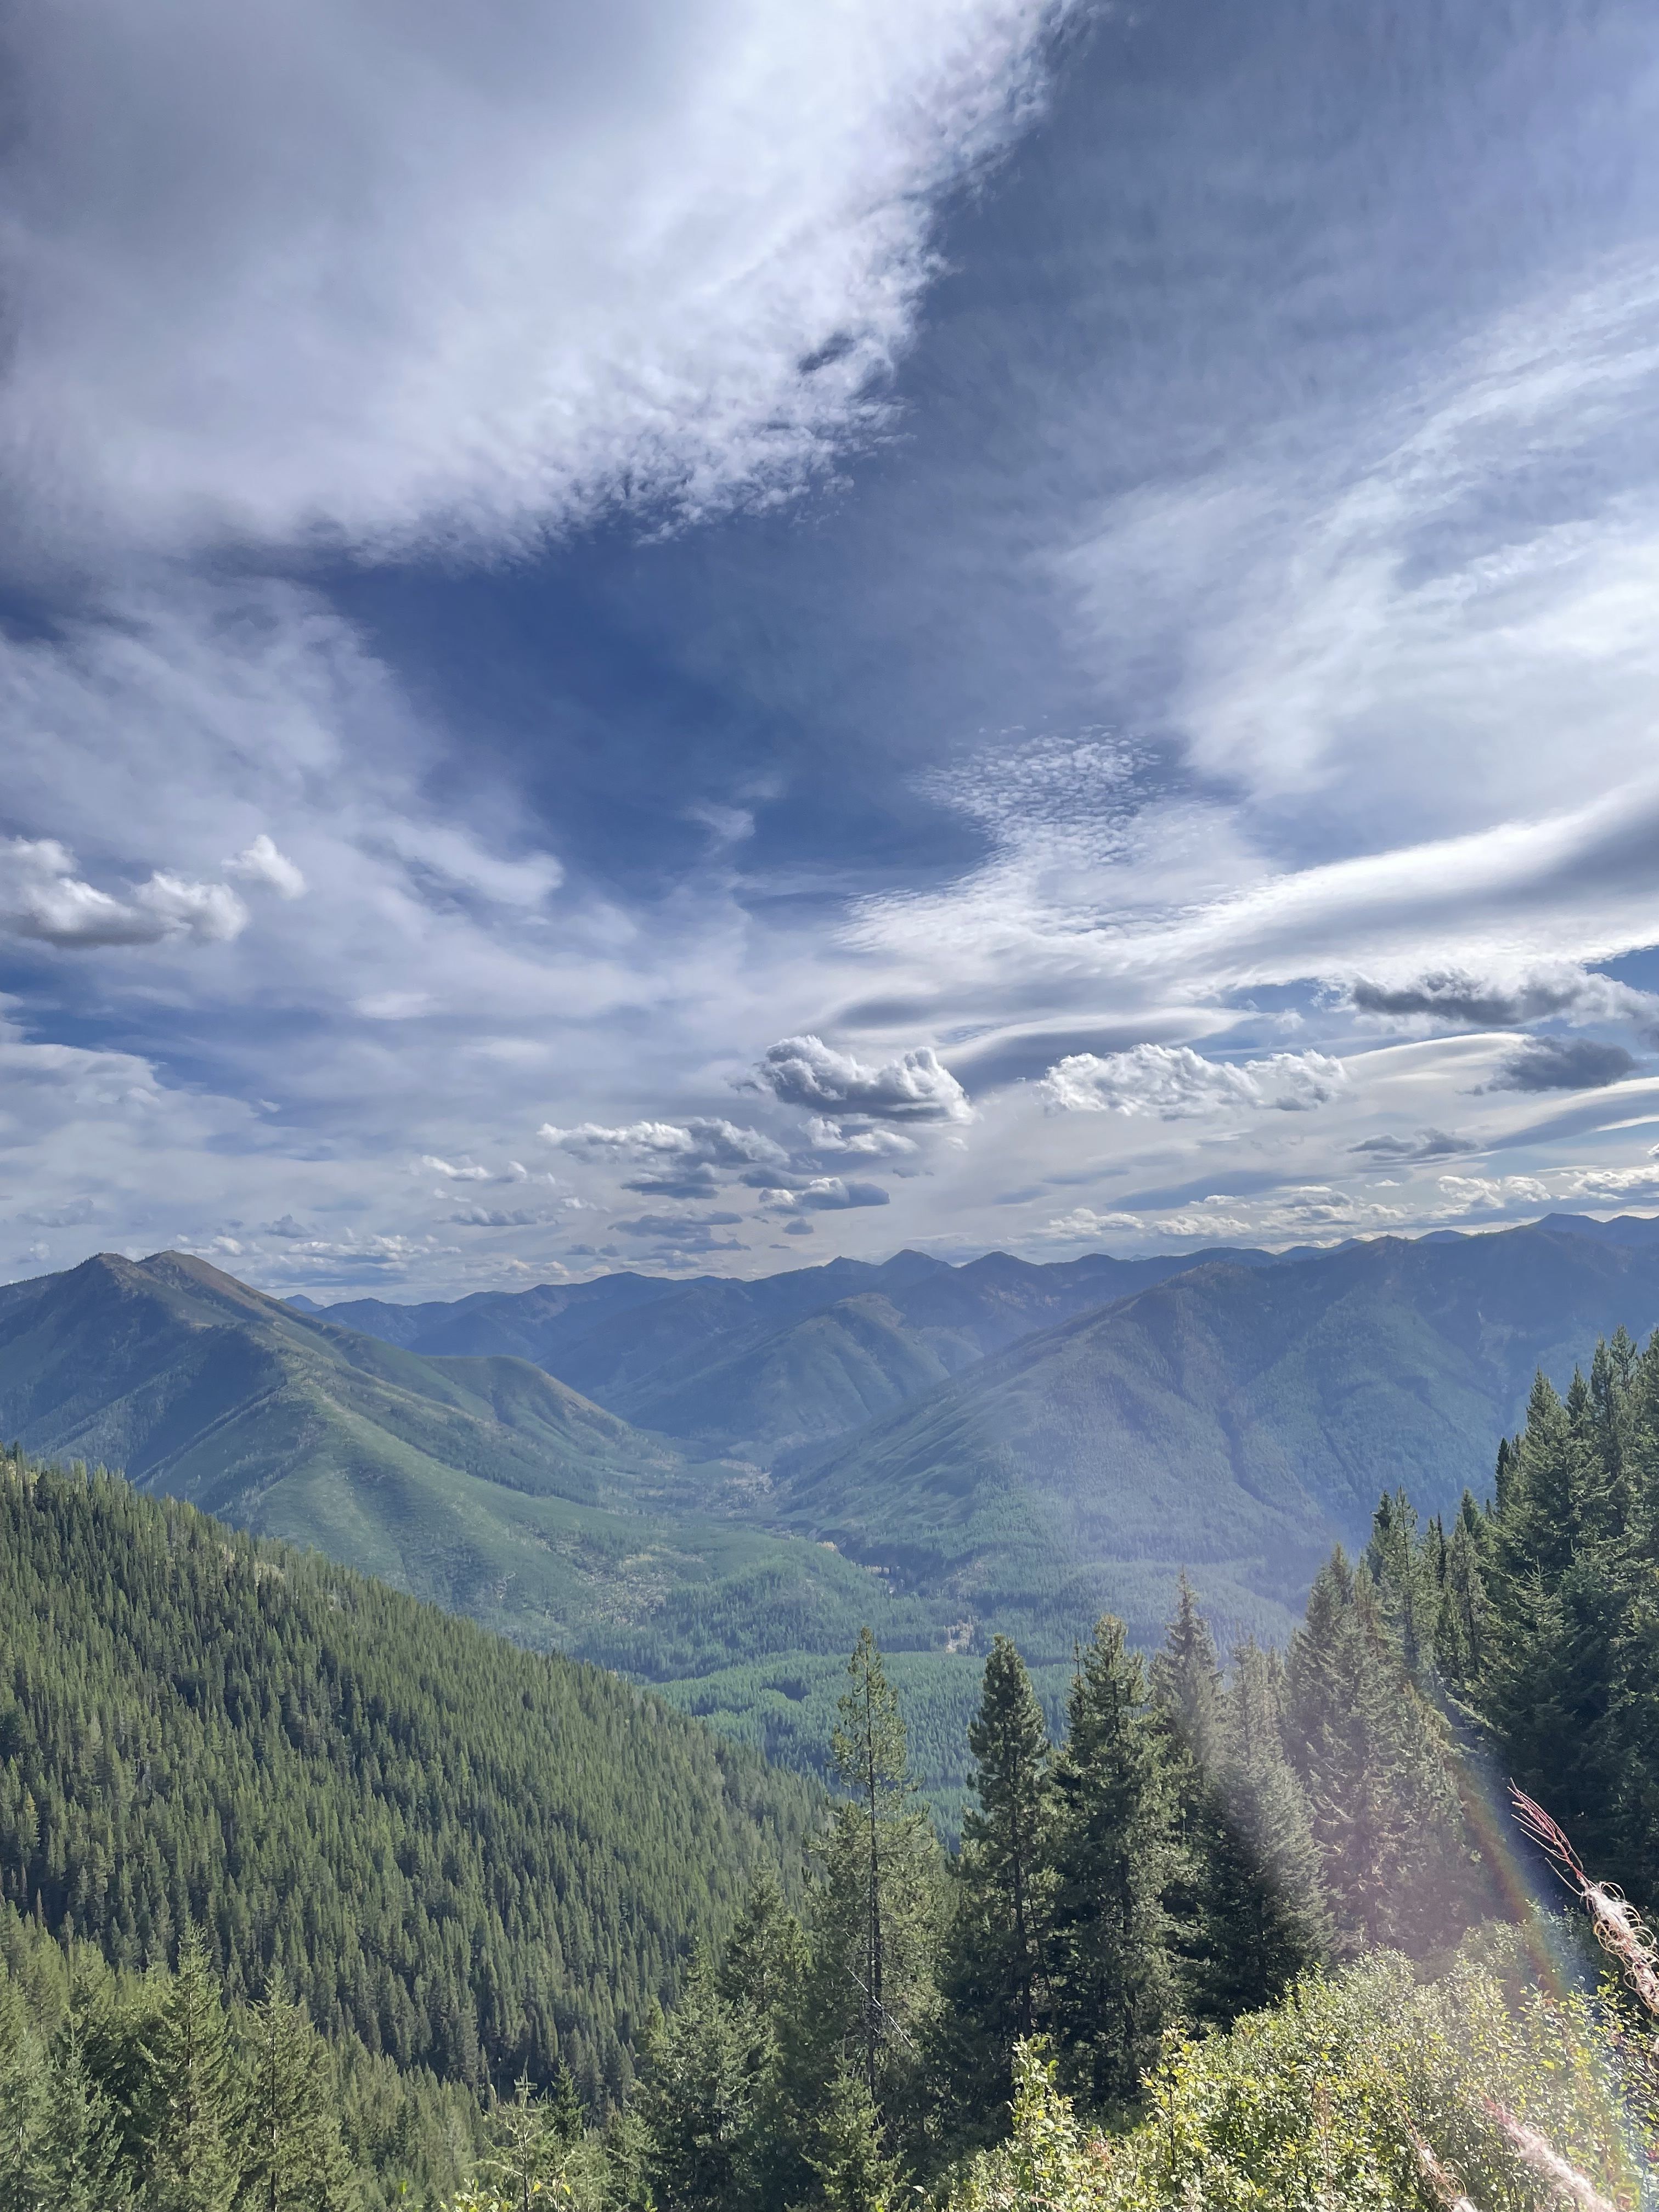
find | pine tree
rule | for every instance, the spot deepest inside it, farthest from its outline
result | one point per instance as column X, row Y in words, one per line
column 855, row 2171
column 992, row 1973
column 24, row 2174
column 81, row 2138
column 566, row 2120
column 1206, row 1859
column 290, row 2135
column 1375, row 1760
column 763, row 1976
column 1186, row 1679
column 1274, row 1919
column 1113, row 1987
column 193, row 2168
column 1463, row 1624
column 879, row 1907
column 695, row 2099
column 1403, row 1574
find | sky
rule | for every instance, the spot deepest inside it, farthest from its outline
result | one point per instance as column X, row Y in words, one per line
column 702, row 636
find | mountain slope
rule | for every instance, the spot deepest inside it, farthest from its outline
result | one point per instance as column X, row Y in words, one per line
column 483, row 1484
column 755, row 1368
column 473, row 1857
column 1236, row 1421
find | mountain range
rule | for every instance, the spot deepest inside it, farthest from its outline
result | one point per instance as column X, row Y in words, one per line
column 710, row 1485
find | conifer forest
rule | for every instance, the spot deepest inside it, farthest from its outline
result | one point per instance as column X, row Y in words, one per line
column 281, row 1928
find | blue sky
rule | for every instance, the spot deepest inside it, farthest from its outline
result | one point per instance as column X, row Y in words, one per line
column 726, row 634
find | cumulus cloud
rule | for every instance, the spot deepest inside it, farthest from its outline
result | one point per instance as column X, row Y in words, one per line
column 42, row 898
column 828, row 1136
column 469, row 1170
column 804, row 1071
column 1491, row 1194
column 360, row 288
column 1425, row 1144
column 1085, row 1222
column 1176, row 1083
column 823, row 1195
column 710, row 1142
column 1562, row 1064
column 1484, row 1002
column 261, row 863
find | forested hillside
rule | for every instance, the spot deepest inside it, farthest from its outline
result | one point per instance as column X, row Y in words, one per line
column 1235, row 1422
column 483, row 1484
column 1248, row 1927
column 472, row 1858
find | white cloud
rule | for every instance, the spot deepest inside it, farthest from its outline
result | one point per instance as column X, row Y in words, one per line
column 261, row 863
column 1084, row 1222
column 823, row 1195
column 1175, row 1082
column 1491, row 1194
column 828, row 1136
column 42, row 897
column 705, row 1142
column 310, row 267
column 804, row 1071
column 1611, row 1186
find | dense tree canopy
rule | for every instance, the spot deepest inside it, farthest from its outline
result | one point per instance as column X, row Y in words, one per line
column 472, row 1858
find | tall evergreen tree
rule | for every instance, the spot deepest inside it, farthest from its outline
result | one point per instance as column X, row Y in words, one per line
column 1186, row 1679
column 879, row 1903
column 1375, row 1758
column 855, row 2170
column 763, row 1976
column 81, row 2138
column 1113, row 1987
column 24, row 2174
column 992, row 1975
column 696, row 2099
column 1207, row 1859
column 194, row 2168
column 290, row 2137
column 1275, row 1923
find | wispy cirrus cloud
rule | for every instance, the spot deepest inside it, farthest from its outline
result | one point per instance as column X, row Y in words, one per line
column 359, row 291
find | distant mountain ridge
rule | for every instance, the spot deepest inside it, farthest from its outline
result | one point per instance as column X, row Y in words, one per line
column 1236, row 1422
column 758, row 1368
column 723, row 1481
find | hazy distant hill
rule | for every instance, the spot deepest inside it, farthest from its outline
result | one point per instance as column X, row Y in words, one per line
column 1235, row 1421
column 755, row 1368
